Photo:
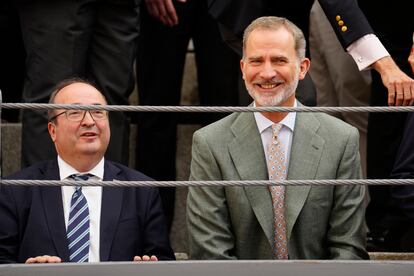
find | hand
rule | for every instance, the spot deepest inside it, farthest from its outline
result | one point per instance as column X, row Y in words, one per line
column 164, row 11
column 43, row 259
column 400, row 86
column 145, row 258
column 411, row 58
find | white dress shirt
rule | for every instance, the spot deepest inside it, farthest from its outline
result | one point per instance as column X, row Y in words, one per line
column 285, row 135
column 94, row 198
column 366, row 50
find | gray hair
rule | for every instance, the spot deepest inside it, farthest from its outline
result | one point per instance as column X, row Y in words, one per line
column 275, row 23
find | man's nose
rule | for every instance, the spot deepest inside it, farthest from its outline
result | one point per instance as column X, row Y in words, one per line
column 87, row 119
column 268, row 71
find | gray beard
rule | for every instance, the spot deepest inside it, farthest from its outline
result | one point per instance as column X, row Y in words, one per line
column 276, row 100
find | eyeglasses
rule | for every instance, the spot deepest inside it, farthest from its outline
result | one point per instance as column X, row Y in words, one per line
column 74, row 115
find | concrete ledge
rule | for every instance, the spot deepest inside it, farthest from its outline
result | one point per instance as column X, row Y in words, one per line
column 216, row 268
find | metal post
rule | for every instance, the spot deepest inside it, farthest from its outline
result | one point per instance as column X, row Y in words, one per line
column 1, row 146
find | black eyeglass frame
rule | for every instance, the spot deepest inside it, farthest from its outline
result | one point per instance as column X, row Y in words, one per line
column 83, row 117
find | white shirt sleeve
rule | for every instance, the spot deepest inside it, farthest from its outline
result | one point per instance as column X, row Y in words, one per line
column 367, row 50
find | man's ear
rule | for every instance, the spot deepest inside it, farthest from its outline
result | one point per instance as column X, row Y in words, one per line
column 242, row 67
column 304, row 68
column 51, row 127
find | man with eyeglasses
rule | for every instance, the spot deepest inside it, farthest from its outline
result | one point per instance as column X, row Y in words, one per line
column 43, row 224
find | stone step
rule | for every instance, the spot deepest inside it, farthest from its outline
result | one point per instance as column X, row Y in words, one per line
column 10, row 148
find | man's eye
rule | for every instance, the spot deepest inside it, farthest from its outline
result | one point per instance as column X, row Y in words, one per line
column 280, row 61
column 98, row 113
column 74, row 113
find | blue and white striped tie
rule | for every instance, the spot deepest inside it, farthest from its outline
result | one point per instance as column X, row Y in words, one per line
column 78, row 225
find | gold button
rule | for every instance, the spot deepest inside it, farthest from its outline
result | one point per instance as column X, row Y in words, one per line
column 338, row 17
column 340, row 23
column 344, row 29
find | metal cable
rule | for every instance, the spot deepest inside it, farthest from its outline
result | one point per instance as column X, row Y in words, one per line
column 228, row 109
column 229, row 183
column 142, row 108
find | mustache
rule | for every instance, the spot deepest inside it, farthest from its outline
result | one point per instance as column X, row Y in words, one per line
column 271, row 81
column 93, row 129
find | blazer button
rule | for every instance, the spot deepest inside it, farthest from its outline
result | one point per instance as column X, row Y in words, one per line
column 340, row 23
column 344, row 28
column 338, row 17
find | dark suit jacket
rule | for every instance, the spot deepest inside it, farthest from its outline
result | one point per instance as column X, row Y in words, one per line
column 32, row 220
column 400, row 212
column 236, row 15
column 393, row 24
column 404, row 168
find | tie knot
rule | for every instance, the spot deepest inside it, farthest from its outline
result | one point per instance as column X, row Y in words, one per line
column 81, row 177
column 276, row 129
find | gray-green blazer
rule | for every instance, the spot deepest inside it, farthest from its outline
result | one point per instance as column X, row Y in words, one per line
column 236, row 222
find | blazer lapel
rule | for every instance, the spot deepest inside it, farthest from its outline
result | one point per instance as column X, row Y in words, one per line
column 110, row 211
column 248, row 156
column 305, row 155
column 53, row 206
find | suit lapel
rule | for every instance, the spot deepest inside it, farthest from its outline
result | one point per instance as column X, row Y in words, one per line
column 110, row 211
column 248, row 156
column 53, row 206
column 306, row 151
column 247, row 153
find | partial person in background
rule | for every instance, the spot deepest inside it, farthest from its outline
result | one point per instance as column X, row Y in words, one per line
column 86, row 38
column 401, row 205
column 349, row 23
column 276, row 222
column 167, row 27
column 12, row 56
column 403, row 196
column 45, row 224
column 336, row 76
column 385, row 129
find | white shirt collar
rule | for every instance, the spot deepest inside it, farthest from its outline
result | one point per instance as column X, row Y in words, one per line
column 66, row 170
column 264, row 123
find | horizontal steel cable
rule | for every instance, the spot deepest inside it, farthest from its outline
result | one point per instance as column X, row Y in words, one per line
column 227, row 183
column 142, row 108
column 147, row 108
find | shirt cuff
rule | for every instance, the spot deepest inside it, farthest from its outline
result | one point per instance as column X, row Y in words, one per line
column 367, row 50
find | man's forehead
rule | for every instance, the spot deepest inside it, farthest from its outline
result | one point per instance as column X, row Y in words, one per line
column 80, row 93
column 281, row 33
column 270, row 40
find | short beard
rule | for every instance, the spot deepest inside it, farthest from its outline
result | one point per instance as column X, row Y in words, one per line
column 276, row 100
